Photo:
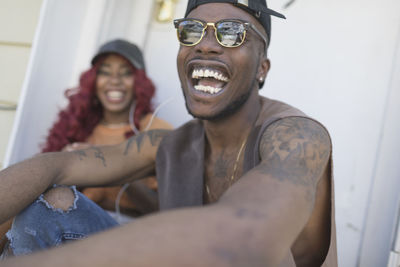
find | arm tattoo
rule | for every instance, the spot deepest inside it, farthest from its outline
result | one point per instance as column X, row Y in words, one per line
column 138, row 139
column 154, row 136
column 99, row 154
column 295, row 149
column 157, row 136
column 80, row 153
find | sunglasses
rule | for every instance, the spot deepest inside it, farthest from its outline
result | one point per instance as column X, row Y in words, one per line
column 228, row 32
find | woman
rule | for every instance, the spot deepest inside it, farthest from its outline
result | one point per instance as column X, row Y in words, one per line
column 112, row 102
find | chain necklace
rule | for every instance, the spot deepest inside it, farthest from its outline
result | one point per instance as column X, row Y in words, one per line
column 234, row 168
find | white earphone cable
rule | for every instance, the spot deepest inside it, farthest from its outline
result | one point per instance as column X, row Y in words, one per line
column 136, row 131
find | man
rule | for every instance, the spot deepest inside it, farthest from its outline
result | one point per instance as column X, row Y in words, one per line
column 262, row 167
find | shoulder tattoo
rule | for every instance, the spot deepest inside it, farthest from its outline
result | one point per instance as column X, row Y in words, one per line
column 296, row 150
column 154, row 136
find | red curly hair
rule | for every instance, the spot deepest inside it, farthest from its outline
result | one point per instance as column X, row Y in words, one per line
column 76, row 122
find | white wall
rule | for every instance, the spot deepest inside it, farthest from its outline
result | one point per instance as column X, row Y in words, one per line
column 336, row 60
column 160, row 52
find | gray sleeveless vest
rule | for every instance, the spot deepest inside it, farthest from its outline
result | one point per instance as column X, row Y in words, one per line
column 180, row 164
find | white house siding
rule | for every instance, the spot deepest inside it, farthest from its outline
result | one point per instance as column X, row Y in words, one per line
column 18, row 20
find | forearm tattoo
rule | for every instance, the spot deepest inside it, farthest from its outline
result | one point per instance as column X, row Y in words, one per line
column 155, row 136
column 99, row 154
column 81, row 154
column 137, row 139
column 296, row 150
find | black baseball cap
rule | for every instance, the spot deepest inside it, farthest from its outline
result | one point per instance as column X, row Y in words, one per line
column 124, row 48
column 257, row 8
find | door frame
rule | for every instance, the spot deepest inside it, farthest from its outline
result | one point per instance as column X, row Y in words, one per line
column 381, row 225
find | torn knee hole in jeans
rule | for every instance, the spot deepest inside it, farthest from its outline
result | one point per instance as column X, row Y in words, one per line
column 10, row 248
column 55, row 206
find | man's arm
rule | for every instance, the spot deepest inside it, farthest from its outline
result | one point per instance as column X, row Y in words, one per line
column 289, row 189
column 21, row 183
column 255, row 223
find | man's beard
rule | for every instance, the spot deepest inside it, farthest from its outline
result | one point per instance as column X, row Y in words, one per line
column 228, row 111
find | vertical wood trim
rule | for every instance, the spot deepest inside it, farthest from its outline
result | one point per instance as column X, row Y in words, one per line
column 380, row 219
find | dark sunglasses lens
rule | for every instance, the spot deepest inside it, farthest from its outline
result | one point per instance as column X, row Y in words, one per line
column 230, row 33
column 189, row 31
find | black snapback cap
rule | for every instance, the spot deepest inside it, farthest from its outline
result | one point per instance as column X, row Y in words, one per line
column 124, row 48
column 257, row 8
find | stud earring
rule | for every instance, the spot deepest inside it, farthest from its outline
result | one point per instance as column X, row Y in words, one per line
column 261, row 79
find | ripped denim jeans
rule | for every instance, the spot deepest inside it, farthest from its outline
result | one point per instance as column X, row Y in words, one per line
column 41, row 226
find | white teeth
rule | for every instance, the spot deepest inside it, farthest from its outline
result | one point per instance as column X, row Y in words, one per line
column 200, row 73
column 115, row 95
column 208, row 73
column 207, row 89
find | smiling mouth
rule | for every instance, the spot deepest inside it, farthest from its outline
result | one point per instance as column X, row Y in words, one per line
column 208, row 80
column 115, row 95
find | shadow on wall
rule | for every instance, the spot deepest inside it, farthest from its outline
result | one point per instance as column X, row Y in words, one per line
column 288, row 4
